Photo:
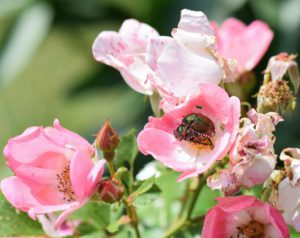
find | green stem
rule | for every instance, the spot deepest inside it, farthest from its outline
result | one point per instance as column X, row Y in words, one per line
column 137, row 232
column 111, row 167
column 202, row 180
column 131, row 212
column 186, row 217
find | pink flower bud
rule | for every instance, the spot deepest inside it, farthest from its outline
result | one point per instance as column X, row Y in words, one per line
column 110, row 190
column 107, row 138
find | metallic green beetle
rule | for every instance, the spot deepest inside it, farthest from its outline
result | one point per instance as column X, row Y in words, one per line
column 197, row 128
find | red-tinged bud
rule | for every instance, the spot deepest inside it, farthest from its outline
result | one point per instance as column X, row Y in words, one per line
column 110, row 190
column 107, row 138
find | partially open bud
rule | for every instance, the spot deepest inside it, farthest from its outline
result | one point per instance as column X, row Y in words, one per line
column 110, row 190
column 107, row 138
column 281, row 84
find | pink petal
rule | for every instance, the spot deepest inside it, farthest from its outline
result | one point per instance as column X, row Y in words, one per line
column 66, row 213
column 246, row 44
column 231, row 204
column 125, row 51
column 32, row 212
column 21, row 197
column 18, row 194
column 215, row 218
column 278, row 222
column 154, row 49
column 195, row 21
column 27, row 147
column 137, row 33
column 167, row 150
column 195, row 31
column 69, row 138
column 108, row 47
column 179, row 69
column 80, row 167
column 47, row 222
column 94, row 177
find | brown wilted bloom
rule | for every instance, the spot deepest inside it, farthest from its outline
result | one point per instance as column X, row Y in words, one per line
column 275, row 96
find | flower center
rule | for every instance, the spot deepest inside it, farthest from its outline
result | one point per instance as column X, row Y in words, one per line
column 64, row 184
column 253, row 229
column 196, row 128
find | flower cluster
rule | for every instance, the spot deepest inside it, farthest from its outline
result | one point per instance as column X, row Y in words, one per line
column 252, row 157
column 197, row 130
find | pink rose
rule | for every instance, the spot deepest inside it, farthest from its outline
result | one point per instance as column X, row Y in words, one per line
column 191, row 137
column 252, row 157
column 244, row 216
column 246, row 44
column 53, row 171
column 182, row 62
column 125, row 50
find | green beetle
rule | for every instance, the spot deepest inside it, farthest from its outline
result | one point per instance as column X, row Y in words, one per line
column 197, row 128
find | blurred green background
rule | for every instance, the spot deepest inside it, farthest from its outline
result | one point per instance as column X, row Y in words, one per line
column 47, row 70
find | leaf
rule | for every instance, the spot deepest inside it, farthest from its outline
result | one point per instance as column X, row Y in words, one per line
column 13, row 223
column 206, row 200
column 146, row 199
column 96, row 234
column 127, row 150
column 294, row 234
column 95, row 214
column 164, row 208
column 143, row 188
column 114, row 226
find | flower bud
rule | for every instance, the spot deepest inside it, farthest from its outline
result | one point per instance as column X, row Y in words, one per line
column 110, row 190
column 107, row 138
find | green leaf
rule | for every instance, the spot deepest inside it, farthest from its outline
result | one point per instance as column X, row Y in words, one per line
column 13, row 223
column 294, row 234
column 206, row 200
column 96, row 234
column 97, row 215
column 114, row 226
column 143, row 188
column 146, row 199
column 163, row 209
column 127, row 150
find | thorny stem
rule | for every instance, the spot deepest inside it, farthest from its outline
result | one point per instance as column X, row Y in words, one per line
column 186, row 219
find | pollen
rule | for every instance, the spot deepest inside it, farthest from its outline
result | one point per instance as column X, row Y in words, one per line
column 64, row 184
column 253, row 229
